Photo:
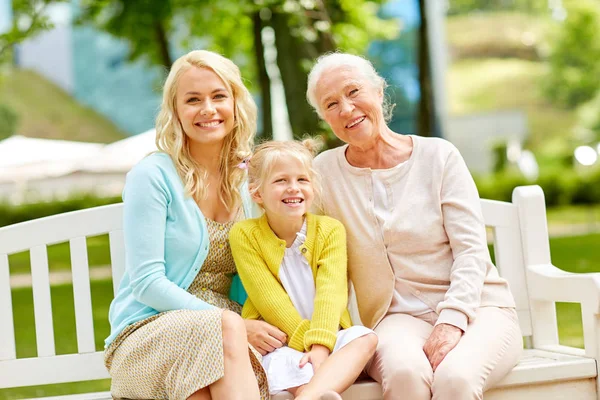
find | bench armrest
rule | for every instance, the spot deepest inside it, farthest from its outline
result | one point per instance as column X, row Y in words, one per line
column 546, row 282
column 548, row 285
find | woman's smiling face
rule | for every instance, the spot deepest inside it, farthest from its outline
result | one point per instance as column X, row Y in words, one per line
column 350, row 104
column 205, row 107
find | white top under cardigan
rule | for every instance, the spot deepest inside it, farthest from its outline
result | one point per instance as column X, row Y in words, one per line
column 297, row 277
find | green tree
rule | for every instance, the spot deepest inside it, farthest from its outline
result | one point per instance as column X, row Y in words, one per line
column 575, row 50
column 8, row 121
column 29, row 19
column 303, row 30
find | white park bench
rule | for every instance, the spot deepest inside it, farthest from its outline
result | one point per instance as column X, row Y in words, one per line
column 547, row 370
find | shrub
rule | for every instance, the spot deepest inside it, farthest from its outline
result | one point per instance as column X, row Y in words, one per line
column 12, row 214
column 560, row 188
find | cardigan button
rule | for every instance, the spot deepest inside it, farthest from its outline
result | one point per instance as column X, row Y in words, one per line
column 303, row 250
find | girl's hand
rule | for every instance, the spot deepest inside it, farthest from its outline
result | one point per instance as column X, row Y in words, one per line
column 264, row 337
column 441, row 341
column 316, row 356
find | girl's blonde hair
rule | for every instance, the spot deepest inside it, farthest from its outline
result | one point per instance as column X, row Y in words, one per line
column 171, row 139
column 268, row 153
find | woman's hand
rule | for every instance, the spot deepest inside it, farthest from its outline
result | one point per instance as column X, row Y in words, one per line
column 264, row 337
column 316, row 356
column 441, row 341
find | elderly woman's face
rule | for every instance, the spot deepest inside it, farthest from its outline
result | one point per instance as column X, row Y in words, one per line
column 350, row 105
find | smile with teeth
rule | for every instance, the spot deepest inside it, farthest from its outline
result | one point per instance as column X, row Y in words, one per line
column 293, row 201
column 356, row 122
column 209, row 124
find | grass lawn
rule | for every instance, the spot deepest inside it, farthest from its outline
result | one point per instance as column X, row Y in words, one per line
column 46, row 111
column 59, row 256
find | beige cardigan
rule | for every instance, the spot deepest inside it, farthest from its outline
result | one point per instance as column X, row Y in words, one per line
column 439, row 245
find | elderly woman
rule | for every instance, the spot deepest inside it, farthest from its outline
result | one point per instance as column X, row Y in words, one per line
column 418, row 258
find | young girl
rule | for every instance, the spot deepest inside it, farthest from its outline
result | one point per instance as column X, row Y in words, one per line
column 293, row 266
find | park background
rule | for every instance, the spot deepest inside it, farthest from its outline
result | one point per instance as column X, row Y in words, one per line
column 512, row 83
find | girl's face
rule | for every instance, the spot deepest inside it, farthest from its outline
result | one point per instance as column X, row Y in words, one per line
column 287, row 192
column 204, row 106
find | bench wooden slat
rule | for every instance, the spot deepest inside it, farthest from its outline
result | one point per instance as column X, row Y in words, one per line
column 7, row 333
column 117, row 256
column 82, row 295
column 497, row 213
column 509, row 260
column 42, row 303
column 56, row 369
column 60, row 228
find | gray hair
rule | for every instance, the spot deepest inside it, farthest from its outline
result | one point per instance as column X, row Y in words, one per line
column 365, row 68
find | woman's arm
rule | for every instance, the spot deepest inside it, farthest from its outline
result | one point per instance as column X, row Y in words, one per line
column 264, row 290
column 146, row 198
column 331, row 296
column 463, row 221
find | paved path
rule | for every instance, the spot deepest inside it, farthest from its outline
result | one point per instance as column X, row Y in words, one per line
column 100, row 273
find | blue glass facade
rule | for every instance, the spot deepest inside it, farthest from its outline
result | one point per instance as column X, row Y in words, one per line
column 396, row 60
column 126, row 92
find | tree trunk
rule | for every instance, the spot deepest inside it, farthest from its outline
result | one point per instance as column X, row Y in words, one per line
column 263, row 78
column 425, row 125
column 163, row 44
column 291, row 51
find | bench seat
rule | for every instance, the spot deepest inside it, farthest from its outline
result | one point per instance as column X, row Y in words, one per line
column 536, row 368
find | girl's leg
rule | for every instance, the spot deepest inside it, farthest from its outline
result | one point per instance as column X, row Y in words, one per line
column 239, row 381
column 341, row 369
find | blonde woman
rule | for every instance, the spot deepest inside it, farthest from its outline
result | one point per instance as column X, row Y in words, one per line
column 174, row 329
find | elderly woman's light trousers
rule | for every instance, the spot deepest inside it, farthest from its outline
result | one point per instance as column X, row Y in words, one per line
column 488, row 350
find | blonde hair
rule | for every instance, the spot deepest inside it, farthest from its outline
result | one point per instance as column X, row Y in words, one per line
column 171, row 139
column 329, row 61
column 268, row 153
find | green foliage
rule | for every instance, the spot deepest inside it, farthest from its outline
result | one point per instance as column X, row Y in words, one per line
column 8, row 121
column 560, row 188
column 588, row 125
column 29, row 19
column 575, row 50
column 304, row 29
column 12, row 214
column 467, row 6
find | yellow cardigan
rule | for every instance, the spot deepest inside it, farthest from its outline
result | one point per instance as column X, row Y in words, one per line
column 258, row 254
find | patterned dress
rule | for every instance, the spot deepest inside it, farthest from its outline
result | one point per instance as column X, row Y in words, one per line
column 154, row 358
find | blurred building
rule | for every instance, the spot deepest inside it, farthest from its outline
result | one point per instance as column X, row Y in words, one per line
column 92, row 66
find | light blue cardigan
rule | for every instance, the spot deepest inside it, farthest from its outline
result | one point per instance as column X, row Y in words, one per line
column 166, row 243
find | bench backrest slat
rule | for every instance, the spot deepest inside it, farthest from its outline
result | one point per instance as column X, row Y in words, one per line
column 8, row 349
column 503, row 218
column 42, row 303
column 117, row 256
column 82, row 295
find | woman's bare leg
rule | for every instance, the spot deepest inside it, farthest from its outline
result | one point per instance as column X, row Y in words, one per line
column 239, row 382
column 202, row 394
column 341, row 369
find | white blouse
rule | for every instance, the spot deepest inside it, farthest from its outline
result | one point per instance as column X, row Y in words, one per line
column 297, row 277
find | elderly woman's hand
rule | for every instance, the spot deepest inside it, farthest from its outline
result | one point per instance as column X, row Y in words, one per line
column 441, row 341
